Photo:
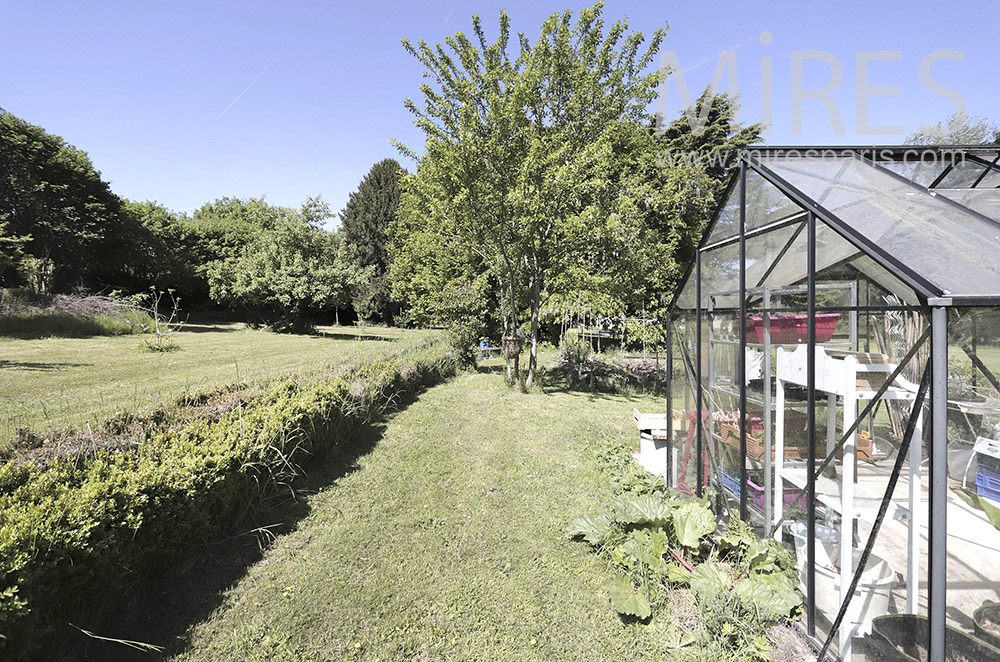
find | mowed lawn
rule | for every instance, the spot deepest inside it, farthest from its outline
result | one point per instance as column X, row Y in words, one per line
column 53, row 382
column 446, row 543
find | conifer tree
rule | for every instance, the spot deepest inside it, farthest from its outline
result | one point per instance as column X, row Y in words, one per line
column 365, row 221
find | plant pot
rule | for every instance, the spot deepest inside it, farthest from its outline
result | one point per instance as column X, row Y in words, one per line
column 871, row 598
column 827, row 543
column 903, row 638
column 786, row 329
column 987, row 619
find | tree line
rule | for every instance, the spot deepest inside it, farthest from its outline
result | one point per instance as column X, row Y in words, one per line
column 541, row 184
column 63, row 228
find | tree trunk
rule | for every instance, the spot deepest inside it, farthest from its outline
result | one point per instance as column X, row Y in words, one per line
column 536, row 295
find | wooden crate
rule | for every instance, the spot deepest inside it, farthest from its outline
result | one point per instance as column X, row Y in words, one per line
column 795, row 448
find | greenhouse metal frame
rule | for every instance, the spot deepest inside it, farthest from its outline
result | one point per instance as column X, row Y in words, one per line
column 896, row 246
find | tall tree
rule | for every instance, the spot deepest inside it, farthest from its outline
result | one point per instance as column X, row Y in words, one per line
column 169, row 256
column 714, row 144
column 51, row 191
column 365, row 222
column 515, row 148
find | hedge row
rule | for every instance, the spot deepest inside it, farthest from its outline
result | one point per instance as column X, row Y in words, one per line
column 77, row 533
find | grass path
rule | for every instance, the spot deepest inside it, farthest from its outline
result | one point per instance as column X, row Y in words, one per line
column 446, row 543
column 51, row 382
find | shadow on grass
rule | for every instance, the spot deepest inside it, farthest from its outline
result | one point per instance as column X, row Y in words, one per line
column 552, row 379
column 208, row 327
column 40, row 366
column 333, row 335
column 163, row 611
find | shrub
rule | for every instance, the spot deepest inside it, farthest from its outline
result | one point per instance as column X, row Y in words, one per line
column 69, row 315
column 575, row 353
column 464, row 337
column 76, row 533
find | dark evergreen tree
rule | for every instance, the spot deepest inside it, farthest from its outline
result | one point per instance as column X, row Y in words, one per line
column 717, row 145
column 365, row 222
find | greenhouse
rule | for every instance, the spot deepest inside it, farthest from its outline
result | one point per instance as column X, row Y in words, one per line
column 836, row 360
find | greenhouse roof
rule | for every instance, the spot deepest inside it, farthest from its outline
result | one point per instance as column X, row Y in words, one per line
column 922, row 221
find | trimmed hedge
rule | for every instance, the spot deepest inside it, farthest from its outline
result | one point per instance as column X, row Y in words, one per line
column 79, row 532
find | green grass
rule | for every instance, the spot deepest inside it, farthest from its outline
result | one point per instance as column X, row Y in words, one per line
column 445, row 543
column 53, row 382
column 44, row 324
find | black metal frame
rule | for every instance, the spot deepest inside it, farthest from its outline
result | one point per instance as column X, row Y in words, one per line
column 933, row 302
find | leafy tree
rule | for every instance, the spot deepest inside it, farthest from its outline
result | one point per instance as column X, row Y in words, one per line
column 365, row 222
column 516, row 148
column 287, row 273
column 716, row 146
column 439, row 277
column 50, row 191
column 959, row 129
column 225, row 226
column 168, row 259
column 10, row 249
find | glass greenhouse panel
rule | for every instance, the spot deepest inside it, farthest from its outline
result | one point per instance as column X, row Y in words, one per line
column 991, row 180
column 727, row 224
column 919, row 172
column 766, row 204
column 983, row 201
column 720, row 277
column 963, row 175
column 923, row 235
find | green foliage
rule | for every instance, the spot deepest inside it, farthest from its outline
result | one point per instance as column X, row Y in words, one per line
column 44, row 324
column 365, row 222
column 959, row 129
column 156, row 345
column 10, row 248
column 575, row 352
column 979, row 503
column 692, row 522
column 517, row 151
column 720, row 139
column 170, row 260
column 657, row 543
column 464, row 335
column 286, row 273
column 75, row 534
column 50, row 192
column 627, row 599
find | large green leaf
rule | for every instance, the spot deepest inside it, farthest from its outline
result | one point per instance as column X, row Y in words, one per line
column 591, row 529
column 709, row 580
column 647, row 547
column 626, row 599
column 976, row 501
column 691, row 522
column 641, row 509
column 773, row 595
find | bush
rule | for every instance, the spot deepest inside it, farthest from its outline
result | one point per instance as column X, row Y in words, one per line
column 464, row 339
column 69, row 315
column 575, row 353
column 76, row 533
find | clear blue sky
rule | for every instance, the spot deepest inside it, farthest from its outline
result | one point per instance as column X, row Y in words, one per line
column 186, row 101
